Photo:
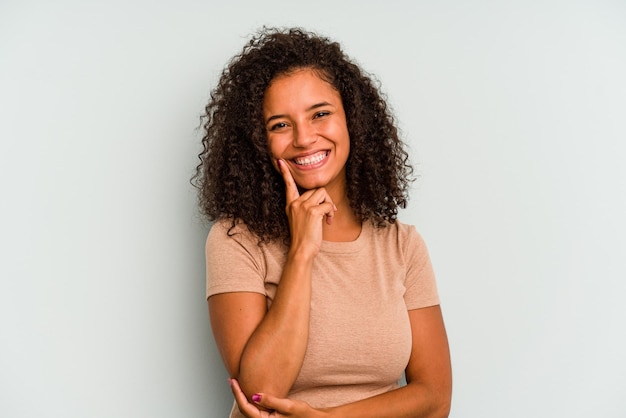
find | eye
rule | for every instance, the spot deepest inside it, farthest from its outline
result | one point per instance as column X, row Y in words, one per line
column 279, row 125
column 321, row 114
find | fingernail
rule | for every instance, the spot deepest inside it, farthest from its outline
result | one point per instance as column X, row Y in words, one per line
column 256, row 398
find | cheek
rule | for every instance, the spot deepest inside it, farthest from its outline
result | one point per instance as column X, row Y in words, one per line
column 339, row 131
column 275, row 152
column 343, row 139
column 278, row 144
column 273, row 148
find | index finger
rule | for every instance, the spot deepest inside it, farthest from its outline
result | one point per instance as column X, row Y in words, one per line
column 290, row 183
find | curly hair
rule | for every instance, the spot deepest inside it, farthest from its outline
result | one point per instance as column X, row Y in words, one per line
column 235, row 177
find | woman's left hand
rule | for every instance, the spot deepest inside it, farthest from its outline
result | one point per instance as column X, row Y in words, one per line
column 269, row 406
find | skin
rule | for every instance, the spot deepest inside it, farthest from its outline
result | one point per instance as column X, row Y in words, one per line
column 305, row 119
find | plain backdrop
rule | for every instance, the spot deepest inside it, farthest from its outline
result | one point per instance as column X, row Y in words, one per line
column 514, row 112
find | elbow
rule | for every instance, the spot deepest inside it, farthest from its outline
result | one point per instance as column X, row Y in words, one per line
column 436, row 401
column 252, row 382
column 442, row 405
column 432, row 402
column 443, row 409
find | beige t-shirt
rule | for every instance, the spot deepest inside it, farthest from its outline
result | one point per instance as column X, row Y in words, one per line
column 359, row 336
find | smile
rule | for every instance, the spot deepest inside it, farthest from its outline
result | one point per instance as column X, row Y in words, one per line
column 311, row 159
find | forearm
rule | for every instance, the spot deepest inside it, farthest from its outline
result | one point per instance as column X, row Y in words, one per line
column 411, row 401
column 429, row 376
column 274, row 353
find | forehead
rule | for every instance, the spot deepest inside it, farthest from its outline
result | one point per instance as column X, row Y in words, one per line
column 299, row 86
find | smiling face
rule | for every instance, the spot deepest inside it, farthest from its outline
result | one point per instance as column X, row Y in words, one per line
column 306, row 126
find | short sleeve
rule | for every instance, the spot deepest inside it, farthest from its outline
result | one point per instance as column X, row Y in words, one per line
column 420, row 284
column 233, row 261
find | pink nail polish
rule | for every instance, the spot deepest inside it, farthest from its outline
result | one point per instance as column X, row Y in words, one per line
column 256, row 398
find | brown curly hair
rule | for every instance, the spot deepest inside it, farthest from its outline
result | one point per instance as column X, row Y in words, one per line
column 235, row 177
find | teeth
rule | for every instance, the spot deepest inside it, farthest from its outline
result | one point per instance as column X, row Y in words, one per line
column 311, row 159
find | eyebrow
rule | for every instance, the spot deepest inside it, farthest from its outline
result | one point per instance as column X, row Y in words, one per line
column 308, row 109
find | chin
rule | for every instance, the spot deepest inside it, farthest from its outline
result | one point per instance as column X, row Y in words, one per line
column 308, row 186
column 315, row 182
column 312, row 183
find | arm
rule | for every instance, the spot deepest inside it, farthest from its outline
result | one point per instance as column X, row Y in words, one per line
column 426, row 395
column 429, row 376
column 262, row 348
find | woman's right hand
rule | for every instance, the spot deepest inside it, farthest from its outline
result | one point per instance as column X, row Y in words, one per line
column 267, row 406
column 306, row 213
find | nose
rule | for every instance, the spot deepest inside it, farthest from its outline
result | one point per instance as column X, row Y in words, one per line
column 304, row 135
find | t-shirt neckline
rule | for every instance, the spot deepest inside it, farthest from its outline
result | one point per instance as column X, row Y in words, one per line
column 349, row 246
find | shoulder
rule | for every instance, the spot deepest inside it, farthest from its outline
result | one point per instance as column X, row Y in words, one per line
column 227, row 233
column 406, row 235
column 229, row 228
column 403, row 242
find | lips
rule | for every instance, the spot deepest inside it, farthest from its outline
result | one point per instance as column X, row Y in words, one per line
column 311, row 159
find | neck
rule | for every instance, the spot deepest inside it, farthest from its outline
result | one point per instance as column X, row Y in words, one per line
column 345, row 227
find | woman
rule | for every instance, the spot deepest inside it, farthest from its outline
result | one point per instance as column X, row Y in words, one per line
column 319, row 298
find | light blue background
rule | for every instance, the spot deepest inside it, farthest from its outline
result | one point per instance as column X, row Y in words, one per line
column 515, row 115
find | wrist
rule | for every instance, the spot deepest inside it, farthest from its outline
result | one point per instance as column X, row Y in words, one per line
column 300, row 256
